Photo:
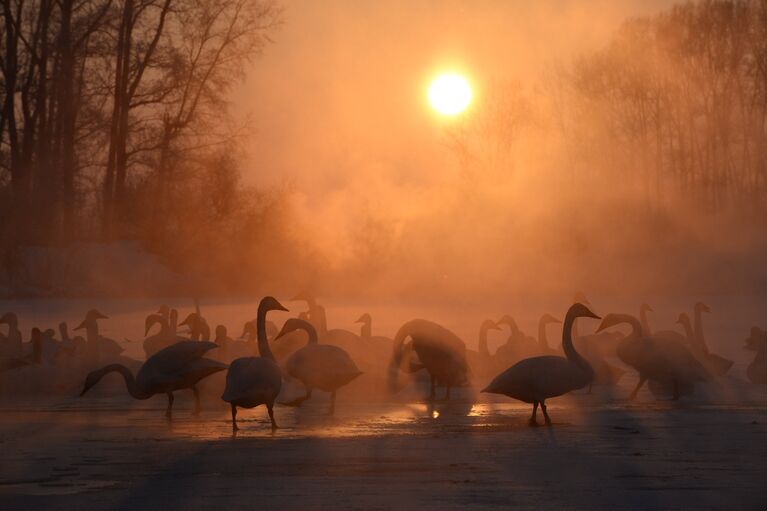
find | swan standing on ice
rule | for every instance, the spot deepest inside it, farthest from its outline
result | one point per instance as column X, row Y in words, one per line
column 440, row 352
column 534, row 380
column 322, row 366
column 177, row 367
column 254, row 381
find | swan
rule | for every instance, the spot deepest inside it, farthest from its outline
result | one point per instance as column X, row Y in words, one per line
column 97, row 347
column 713, row 363
column 517, row 346
column 316, row 312
column 376, row 347
column 543, row 344
column 664, row 361
column 198, row 327
column 322, row 366
column 71, row 347
column 253, row 381
column 12, row 344
column 757, row 369
column 177, row 367
column 534, row 380
column 440, row 352
column 482, row 360
column 167, row 334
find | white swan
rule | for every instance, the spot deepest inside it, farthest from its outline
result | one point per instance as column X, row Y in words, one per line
column 534, row 380
column 254, row 381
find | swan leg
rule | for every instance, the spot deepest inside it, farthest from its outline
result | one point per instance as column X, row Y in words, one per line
column 633, row 395
column 169, row 410
column 533, row 421
column 332, row 403
column 234, row 418
column 270, row 409
column 545, row 413
column 197, row 406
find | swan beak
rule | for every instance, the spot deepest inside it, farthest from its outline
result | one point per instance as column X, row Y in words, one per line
column 99, row 315
column 80, row 326
column 361, row 320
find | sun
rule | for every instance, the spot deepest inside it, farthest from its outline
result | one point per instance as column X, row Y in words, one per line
column 450, row 94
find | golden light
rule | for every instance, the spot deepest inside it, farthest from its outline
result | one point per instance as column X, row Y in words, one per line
column 450, row 94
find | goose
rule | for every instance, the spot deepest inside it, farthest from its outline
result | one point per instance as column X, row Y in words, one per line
column 665, row 361
column 97, row 347
column 254, row 381
column 12, row 344
column 322, row 366
column 536, row 379
column 757, row 369
column 713, row 363
column 440, row 352
column 177, row 367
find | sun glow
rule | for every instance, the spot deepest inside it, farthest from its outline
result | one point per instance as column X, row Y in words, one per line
column 450, row 94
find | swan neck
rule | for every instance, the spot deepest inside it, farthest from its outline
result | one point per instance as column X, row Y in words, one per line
column 698, row 330
column 645, row 325
column 567, row 344
column 543, row 342
column 482, row 348
column 263, row 341
column 130, row 381
column 367, row 330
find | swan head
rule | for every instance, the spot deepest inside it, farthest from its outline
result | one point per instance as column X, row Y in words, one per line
column 579, row 310
column 90, row 380
column 508, row 320
column 489, row 324
column 548, row 318
column 645, row 308
column 269, row 303
column 293, row 324
column 365, row 319
column 90, row 318
column 611, row 320
column 304, row 296
column 702, row 307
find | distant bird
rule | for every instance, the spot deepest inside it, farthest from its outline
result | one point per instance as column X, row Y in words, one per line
column 517, row 346
column 757, row 369
column 11, row 345
column 481, row 361
column 165, row 337
column 198, row 327
column 177, row 367
column 71, row 347
column 97, row 347
column 534, row 380
column 316, row 312
column 543, row 343
column 714, row 364
column 254, row 381
column 440, row 352
column 664, row 361
column 321, row 366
